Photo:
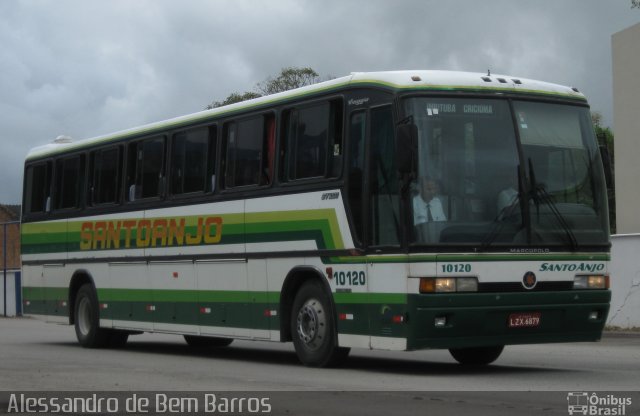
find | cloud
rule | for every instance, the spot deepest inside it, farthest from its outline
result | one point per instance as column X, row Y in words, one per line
column 86, row 68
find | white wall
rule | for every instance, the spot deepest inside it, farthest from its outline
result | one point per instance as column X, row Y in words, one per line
column 11, row 292
column 625, row 281
column 625, row 48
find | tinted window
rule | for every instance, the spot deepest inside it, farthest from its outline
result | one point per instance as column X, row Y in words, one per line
column 68, row 179
column 189, row 154
column 38, row 188
column 384, row 203
column 313, row 142
column 145, row 173
column 249, row 151
column 105, row 176
column 357, row 130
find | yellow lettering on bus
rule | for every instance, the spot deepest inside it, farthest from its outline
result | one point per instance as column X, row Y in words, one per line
column 86, row 235
column 99, row 234
column 143, row 233
column 157, row 232
column 128, row 225
column 213, row 224
column 176, row 232
column 113, row 235
column 195, row 239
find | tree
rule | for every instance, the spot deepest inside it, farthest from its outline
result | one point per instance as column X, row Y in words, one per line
column 605, row 140
column 288, row 79
column 635, row 4
column 233, row 98
column 604, row 134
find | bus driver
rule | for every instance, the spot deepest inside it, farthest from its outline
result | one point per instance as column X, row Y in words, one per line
column 427, row 206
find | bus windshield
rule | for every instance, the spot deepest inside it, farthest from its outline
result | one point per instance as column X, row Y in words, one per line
column 483, row 181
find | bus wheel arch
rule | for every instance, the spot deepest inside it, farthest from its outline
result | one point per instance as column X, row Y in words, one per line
column 79, row 278
column 309, row 318
column 295, row 279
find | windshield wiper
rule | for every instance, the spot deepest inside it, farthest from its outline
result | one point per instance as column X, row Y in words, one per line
column 499, row 221
column 540, row 194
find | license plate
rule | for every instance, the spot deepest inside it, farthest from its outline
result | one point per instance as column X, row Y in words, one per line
column 524, row 320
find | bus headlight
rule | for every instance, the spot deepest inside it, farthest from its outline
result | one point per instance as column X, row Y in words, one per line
column 448, row 284
column 597, row 281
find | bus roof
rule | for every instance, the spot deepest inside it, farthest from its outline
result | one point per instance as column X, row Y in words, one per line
column 429, row 80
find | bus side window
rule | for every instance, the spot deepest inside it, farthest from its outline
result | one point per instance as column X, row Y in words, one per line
column 105, row 174
column 189, row 153
column 69, row 176
column 355, row 190
column 384, row 229
column 212, row 157
column 249, row 153
column 145, row 169
column 312, row 141
column 269, row 150
column 38, row 188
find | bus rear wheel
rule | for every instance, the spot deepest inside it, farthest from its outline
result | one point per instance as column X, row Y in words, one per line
column 87, row 319
column 313, row 328
column 201, row 342
column 477, row 355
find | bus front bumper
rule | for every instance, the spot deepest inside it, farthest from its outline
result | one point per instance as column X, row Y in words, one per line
column 463, row 320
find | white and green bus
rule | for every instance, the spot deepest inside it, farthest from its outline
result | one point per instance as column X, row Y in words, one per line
column 392, row 210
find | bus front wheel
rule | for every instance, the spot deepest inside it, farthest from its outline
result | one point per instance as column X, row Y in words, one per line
column 313, row 327
column 477, row 355
column 87, row 319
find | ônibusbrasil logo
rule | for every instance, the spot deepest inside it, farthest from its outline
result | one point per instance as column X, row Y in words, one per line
column 597, row 405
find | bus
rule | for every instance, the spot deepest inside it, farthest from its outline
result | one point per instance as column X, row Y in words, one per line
column 397, row 210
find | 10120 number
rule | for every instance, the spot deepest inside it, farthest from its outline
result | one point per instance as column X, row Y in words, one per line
column 350, row 278
column 456, row 268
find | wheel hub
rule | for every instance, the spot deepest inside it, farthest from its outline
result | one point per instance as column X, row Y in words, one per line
column 311, row 323
column 84, row 316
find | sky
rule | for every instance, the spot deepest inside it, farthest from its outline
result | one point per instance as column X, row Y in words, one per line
column 84, row 68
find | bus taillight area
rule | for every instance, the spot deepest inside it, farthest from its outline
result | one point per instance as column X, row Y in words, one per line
column 469, row 320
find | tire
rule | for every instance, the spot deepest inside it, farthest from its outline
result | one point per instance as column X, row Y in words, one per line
column 87, row 319
column 202, row 342
column 477, row 355
column 313, row 327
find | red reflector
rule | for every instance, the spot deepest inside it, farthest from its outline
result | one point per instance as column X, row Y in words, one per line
column 398, row 319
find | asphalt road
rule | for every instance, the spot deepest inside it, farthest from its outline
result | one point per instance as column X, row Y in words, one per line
column 525, row 380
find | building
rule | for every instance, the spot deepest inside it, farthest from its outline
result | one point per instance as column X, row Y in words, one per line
column 625, row 263
column 10, row 214
column 625, row 48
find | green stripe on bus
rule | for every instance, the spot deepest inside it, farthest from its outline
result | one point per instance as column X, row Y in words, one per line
column 319, row 225
column 45, row 293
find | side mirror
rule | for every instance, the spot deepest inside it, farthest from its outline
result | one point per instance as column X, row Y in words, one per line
column 407, row 149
